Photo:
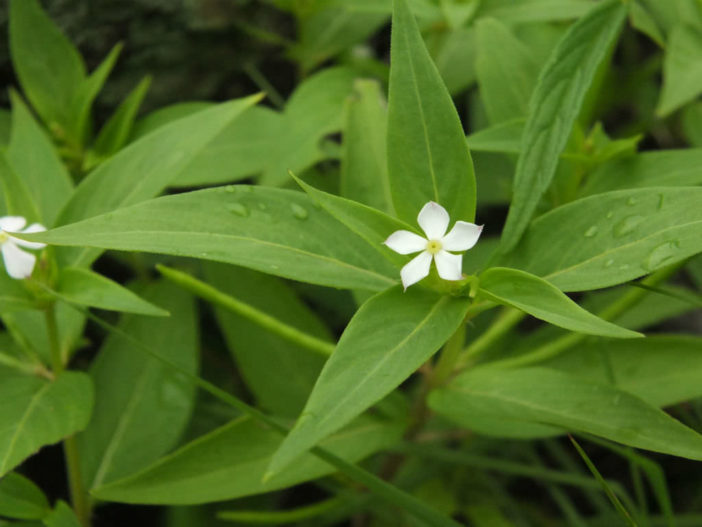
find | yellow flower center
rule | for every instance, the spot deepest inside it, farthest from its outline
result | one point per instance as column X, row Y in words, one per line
column 433, row 246
column 4, row 236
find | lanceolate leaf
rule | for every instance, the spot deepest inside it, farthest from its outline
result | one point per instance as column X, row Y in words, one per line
column 541, row 299
column 544, row 396
column 21, row 499
column 37, row 412
column 428, row 158
column 142, row 170
column 554, row 107
column 231, row 461
column 141, row 406
column 390, row 336
column 682, row 68
column 275, row 231
column 611, row 238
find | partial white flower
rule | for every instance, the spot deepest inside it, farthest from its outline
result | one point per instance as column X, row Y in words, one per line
column 434, row 220
column 19, row 264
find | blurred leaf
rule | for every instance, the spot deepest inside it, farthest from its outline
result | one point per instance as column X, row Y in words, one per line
column 621, row 235
column 37, row 412
column 48, row 66
column 692, row 124
column 605, row 486
column 61, row 516
column 506, row 71
column 115, row 133
column 87, row 288
column 20, row 498
column 279, row 373
column 454, row 55
column 141, row 406
column 682, row 69
column 5, row 125
column 142, row 170
column 275, row 231
column 643, row 20
column 230, row 462
column 163, row 116
column 534, row 10
column 554, row 107
column 539, row 298
column 390, row 336
column 364, row 165
column 427, row 154
column 548, row 397
column 18, row 199
column 32, row 156
column 504, row 137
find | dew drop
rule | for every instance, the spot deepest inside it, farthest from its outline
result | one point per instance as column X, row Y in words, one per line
column 592, row 231
column 661, row 198
column 262, row 206
column 238, row 209
column 608, row 264
column 610, row 214
column 230, row 188
column 631, row 201
column 662, row 254
column 299, row 212
column 627, row 225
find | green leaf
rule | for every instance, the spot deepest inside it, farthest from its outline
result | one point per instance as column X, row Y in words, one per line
column 605, row 486
column 534, row 10
column 62, row 516
column 166, row 115
column 620, row 235
column 369, row 223
column 115, row 133
column 505, row 138
column 142, row 170
column 142, row 406
column 692, row 124
column 313, row 111
column 554, row 107
column 283, row 389
column 541, row 299
column 682, row 69
column 661, row 370
column 18, row 199
column 5, row 125
column 506, row 71
column 230, row 462
column 42, row 171
column 37, row 412
column 274, row 231
column 428, row 158
column 20, row 498
column 84, row 287
column 48, row 66
column 364, row 165
column 544, row 396
column 642, row 20
column 669, row 168
column 390, row 336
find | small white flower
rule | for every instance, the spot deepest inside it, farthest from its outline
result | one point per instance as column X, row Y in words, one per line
column 434, row 220
column 19, row 264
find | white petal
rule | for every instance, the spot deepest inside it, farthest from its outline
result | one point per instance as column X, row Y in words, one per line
column 34, row 227
column 416, row 269
column 12, row 223
column 18, row 263
column 462, row 237
column 434, row 220
column 405, row 242
column 449, row 265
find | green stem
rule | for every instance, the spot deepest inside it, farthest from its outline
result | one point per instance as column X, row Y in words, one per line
column 617, row 308
column 79, row 498
column 209, row 293
column 446, row 364
column 282, row 517
column 504, row 322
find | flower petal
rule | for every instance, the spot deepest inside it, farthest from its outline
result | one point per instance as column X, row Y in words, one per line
column 34, row 227
column 405, row 242
column 18, row 263
column 449, row 265
column 12, row 223
column 416, row 269
column 462, row 237
column 434, row 220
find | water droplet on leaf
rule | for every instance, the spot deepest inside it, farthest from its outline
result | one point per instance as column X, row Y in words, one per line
column 608, row 264
column 662, row 254
column 592, row 231
column 627, row 225
column 238, row 209
column 631, row 201
column 610, row 214
column 299, row 212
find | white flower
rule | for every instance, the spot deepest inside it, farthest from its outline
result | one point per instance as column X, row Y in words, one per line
column 18, row 263
column 434, row 220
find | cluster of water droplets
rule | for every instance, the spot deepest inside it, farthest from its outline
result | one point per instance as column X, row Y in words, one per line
column 239, row 209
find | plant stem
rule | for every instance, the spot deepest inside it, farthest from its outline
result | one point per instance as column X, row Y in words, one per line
column 504, row 322
column 79, row 498
column 447, row 359
column 617, row 308
column 209, row 293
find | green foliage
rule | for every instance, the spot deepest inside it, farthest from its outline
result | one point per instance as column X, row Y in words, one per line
column 321, row 399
